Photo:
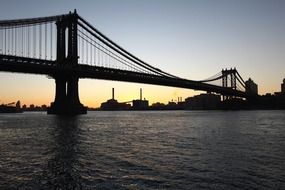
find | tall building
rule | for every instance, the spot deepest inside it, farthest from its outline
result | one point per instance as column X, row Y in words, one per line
column 251, row 87
column 283, row 87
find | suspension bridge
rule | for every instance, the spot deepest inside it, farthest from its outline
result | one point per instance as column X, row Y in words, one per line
column 66, row 47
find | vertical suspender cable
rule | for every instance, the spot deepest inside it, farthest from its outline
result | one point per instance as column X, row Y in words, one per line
column 23, row 36
column 34, row 40
column 16, row 37
column 1, row 40
column 91, row 52
column 5, row 40
column 82, row 50
column 109, row 58
column 25, row 41
column 40, row 41
column 45, row 41
column 28, row 34
column 11, row 41
column 95, row 52
column 12, row 49
column 15, row 41
column 8, row 40
column 102, row 56
column 87, row 44
column 78, row 44
column 8, row 44
column 99, row 63
column 22, row 28
column 51, row 31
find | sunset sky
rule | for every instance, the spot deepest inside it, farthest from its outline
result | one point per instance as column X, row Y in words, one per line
column 193, row 39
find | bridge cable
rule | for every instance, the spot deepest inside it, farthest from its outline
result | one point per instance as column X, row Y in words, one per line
column 28, row 41
column 87, row 58
column 30, row 21
column 40, row 41
column 123, row 52
column 103, row 51
column 240, row 78
column 22, row 31
column 91, row 53
column 102, row 41
column 45, row 41
column 51, row 31
column 34, row 41
column 1, row 41
column 108, row 51
column 5, row 40
column 91, row 40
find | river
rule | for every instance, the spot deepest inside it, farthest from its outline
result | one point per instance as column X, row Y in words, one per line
column 143, row 150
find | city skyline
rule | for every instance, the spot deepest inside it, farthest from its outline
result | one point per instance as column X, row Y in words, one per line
column 204, row 37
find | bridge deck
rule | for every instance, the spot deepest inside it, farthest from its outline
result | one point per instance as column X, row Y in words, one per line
column 51, row 68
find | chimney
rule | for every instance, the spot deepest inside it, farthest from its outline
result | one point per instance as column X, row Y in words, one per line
column 140, row 94
column 113, row 93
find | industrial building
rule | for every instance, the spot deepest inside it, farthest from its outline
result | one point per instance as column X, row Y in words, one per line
column 140, row 104
column 113, row 104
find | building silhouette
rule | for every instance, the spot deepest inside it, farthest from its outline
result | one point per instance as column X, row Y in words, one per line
column 205, row 101
column 140, row 104
column 251, row 87
column 283, row 87
column 113, row 104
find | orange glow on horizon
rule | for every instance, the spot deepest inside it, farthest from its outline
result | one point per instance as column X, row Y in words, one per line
column 38, row 90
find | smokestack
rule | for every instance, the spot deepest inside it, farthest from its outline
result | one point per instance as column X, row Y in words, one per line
column 140, row 94
column 113, row 93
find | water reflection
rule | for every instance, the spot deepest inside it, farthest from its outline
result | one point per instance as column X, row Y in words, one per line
column 62, row 167
column 143, row 150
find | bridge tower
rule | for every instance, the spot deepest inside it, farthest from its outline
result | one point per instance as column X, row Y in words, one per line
column 232, row 75
column 66, row 80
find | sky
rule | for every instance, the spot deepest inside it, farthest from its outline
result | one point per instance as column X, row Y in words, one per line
column 193, row 39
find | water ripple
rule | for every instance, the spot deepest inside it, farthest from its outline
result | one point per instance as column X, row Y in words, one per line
column 143, row 150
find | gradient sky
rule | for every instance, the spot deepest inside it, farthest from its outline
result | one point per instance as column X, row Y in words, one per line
column 194, row 39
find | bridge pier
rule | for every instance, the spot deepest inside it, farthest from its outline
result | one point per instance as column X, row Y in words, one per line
column 66, row 94
column 66, row 98
column 60, row 91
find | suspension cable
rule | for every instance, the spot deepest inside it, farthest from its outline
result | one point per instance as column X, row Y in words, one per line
column 104, row 49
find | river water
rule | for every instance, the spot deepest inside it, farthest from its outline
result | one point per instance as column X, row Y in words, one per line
column 143, row 150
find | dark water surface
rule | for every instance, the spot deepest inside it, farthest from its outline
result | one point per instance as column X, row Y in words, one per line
column 143, row 150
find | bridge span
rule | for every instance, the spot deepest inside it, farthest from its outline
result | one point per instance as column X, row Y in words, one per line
column 66, row 47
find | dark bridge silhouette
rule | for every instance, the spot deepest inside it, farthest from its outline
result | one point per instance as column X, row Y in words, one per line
column 66, row 48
